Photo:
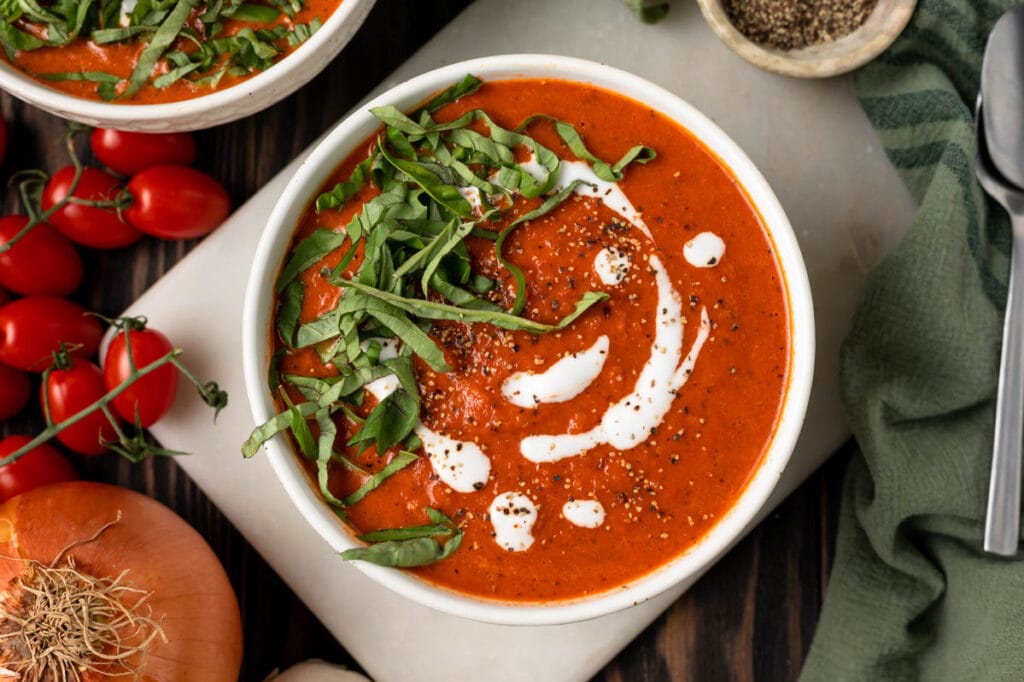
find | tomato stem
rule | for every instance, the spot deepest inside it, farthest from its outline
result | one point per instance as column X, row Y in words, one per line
column 37, row 216
column 210, row 392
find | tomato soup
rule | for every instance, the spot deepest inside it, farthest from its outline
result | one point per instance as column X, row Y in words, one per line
column 120, row 55
column 575, row 455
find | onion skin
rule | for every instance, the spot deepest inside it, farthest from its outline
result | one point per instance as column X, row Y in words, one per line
column 164, row 555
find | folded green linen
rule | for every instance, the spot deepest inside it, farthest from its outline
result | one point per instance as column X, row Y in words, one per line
column 912, row 595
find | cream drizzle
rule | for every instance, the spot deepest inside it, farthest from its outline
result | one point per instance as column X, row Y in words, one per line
column 562, row 381
column 704, row 251
column 462, row 465
column 611, row 266
column 584, row 513
column 512, row 516
column 629, row 421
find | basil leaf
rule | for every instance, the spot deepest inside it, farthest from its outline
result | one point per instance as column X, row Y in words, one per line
column 398, row 553
column 342, row 191
column 397, row 463
column 389, row 423
column 648, row 11
column 450, row 547
column 409, row 533
column 162, row 39
column 440, row 311
column 325, row 453
column 90, row 76
column 467, row 86
column 321, row 329
column 460, row 297
column 638, row 154
column 15, row 40
column 288, row 312
column 394, row 317
column 261, row 434
column 10, row 10
column 303, row 436
column 309, row 251
column 411, row 546
column 444, row 194
column 257, row 14
column 438, row 517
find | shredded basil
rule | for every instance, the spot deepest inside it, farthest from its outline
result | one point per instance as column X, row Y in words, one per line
column 409, row 547
column 201, row 53
column 430, row 187
column 399, row 462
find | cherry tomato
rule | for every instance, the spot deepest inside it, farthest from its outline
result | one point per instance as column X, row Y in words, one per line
column 42, row 263
column 100, row 228
column 128, row 153
column 32, row 327
column 70, row 391
column 176, row 202
column 15, row 390
column 42, row 465
column 154, row 393
column 5, row 297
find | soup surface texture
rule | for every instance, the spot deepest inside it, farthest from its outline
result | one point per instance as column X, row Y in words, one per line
column 151, row 52
column 579, row 459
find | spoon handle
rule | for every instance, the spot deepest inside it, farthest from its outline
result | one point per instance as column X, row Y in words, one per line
column 1002, row 520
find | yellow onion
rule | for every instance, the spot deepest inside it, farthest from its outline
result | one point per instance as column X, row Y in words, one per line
column 100, row 582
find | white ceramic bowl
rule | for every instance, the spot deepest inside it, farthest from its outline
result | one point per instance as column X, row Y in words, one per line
column 318, row 167
column 221, row 106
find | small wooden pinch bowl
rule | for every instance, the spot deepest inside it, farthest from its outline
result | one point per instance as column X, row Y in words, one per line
column 885, row 23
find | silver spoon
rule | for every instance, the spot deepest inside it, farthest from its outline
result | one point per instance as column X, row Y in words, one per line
column 999, row 126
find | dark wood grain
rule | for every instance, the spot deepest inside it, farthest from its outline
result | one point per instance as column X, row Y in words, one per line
column 750, row 618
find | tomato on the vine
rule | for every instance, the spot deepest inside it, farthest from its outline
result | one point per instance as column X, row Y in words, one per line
column 42, row 465
column 153, row 394
column 15, row 390
column 176, row 202
column 32, row 328
column 128, row 153
column 41, row 263
column 100, row 228
column 69, row 392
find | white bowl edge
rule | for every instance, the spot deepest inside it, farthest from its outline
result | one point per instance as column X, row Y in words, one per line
column 221, row 106
column 314, row 172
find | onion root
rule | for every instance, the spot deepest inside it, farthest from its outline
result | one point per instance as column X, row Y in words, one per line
column 59, row 623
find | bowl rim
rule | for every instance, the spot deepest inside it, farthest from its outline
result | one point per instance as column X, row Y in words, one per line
column 314, row 171
column 220, row 106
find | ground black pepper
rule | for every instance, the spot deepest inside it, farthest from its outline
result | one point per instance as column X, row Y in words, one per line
column 793, row 24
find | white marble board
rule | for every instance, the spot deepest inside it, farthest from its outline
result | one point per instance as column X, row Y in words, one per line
column 811, row 141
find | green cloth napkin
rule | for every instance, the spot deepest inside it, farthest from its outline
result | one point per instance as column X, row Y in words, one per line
column 911, row 595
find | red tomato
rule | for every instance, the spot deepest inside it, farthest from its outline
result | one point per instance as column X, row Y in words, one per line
column 128, row 153
column 70, row 391
column 32, row 327
column 176, row 202
column 5, row 297
column 154, row 393
column 42, row 465
column 100, row 228
column 15, row 390
column 42, row 263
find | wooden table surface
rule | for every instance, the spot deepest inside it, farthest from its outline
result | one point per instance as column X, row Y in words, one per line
column 751, row 617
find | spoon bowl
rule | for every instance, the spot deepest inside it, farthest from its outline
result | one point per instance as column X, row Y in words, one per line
column 1003, row 88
